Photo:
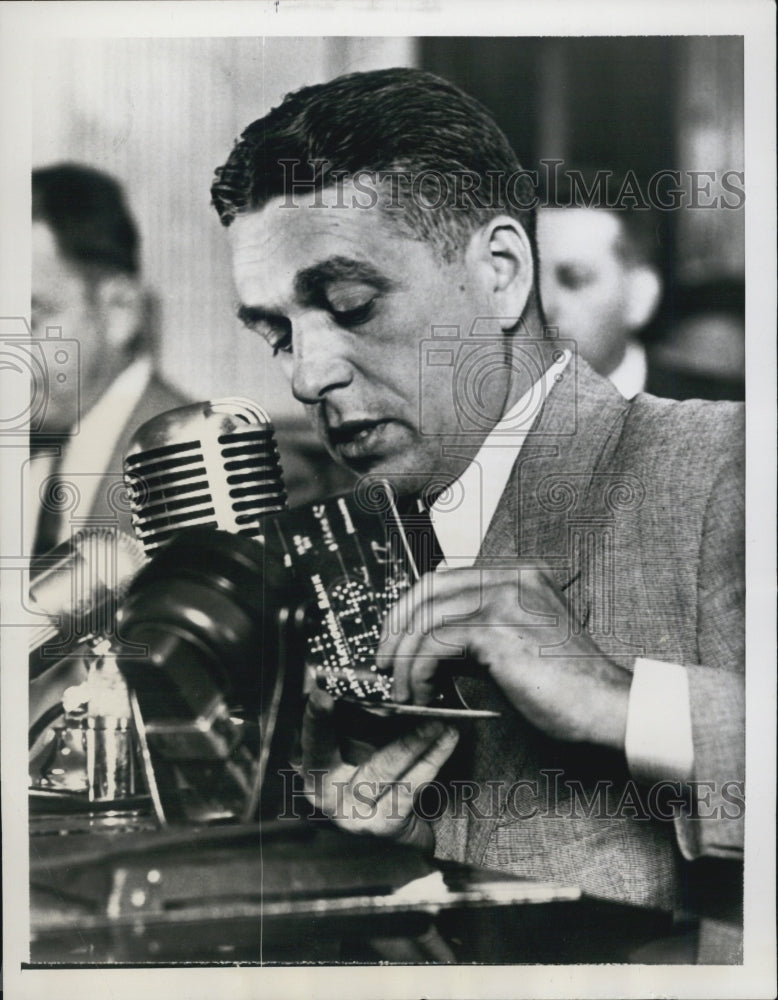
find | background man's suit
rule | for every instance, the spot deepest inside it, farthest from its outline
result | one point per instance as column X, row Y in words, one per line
column 110, row 504
column 638, row 508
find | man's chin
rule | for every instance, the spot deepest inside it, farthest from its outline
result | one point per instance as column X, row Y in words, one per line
column 404, row 479
column 396, row 461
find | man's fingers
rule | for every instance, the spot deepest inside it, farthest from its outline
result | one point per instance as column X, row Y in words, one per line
column 433, row 622
column 319, row 737
column 413, row 612
column 435, row 631
column 418, row 661
column 434, row 757
column 424, row 770
column 422, row 751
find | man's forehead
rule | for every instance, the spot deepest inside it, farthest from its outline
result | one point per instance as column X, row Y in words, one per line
column 276, row 244
column 50, row 267
column 44, row 245
column 577, row 230
column 303, row 225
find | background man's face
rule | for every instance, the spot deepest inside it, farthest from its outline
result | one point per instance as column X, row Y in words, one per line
column 61, row 297
column 346, row 302
column 584, row 283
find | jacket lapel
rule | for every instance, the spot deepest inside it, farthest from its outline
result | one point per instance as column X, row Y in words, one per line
column 551, row 480
column 550, row 484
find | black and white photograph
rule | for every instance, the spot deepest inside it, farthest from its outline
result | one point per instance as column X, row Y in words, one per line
column 388, row 461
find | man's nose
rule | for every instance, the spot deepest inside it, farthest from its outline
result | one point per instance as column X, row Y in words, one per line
column 320, row 360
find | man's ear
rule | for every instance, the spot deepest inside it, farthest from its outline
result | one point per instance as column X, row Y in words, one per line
column 644, row 290
column 121, row 303
column 501, row 255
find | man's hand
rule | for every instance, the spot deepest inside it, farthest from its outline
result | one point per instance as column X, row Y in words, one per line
column 516, row 626
column 377, row 795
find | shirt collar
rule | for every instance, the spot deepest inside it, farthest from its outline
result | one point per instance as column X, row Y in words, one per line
column 629, row 376
column 462, row 513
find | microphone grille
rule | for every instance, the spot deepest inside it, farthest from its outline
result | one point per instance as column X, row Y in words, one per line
column 213, row 464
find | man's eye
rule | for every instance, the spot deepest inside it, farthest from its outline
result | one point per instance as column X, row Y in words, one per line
column 349, row 302
column 278, row 336
column 281, row 343
column 573, row 278
column 354, row 315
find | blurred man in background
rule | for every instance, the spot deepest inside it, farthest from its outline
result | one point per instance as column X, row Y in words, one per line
column 600, row 277
column 87, row 289
column 89, row 301
column 600, row 283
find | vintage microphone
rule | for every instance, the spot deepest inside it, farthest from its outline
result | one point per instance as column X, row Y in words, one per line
column 212, row 465
column 210, row 610
column 210, row 470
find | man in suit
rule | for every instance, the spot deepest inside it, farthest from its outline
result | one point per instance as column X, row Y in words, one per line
column 87, row 289
column 599, row 277
column 600, row 284
column 88, row 300
column 592, row 548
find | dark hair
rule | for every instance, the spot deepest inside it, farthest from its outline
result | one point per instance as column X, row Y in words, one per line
column 87, row 213
column 417, row 128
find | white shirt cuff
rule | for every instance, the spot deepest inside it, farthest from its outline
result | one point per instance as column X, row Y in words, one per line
column 658, row 743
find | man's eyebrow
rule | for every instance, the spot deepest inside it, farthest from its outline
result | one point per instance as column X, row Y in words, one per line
column 308, row 283
column 254, row 315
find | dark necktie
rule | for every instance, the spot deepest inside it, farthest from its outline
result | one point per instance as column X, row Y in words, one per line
column 420, row 541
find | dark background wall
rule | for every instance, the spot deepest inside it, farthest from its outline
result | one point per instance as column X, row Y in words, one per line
column 640, row 103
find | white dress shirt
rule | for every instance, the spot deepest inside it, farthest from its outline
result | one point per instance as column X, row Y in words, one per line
column 658, row 742
column 629, row 375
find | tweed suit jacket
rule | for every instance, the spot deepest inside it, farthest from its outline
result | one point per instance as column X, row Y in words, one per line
column 637, row 507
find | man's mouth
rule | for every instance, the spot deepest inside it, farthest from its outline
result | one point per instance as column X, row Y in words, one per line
column 355, row 439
